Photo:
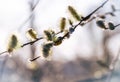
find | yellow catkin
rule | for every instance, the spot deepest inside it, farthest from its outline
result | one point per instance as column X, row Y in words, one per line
column 74, row 13
column 57, row 41
column 48, row 35
column 31, row 34
column 13, row 42
column 46, row 49
column 62, row 23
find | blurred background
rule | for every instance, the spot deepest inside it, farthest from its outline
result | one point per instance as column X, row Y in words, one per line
column 87, row 56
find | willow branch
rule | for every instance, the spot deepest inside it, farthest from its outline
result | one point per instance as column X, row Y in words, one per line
column 74, row 26
column 117, row 25
column 34, row 58
column 86, row 18
column 32, row 42
column 105, row 14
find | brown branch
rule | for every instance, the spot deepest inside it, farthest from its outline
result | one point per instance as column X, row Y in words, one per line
column 34, row 58
column 117, row 25
column 85, row 18
column 88, row 16
column 74, row 26
column 32, row 42
column 107, row 13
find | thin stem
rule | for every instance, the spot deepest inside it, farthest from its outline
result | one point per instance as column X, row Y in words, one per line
column 58, row 32
column 107, row 13
column 88, row 16
column 34, row 58
column 74, row 26
column 30, row 16
column 32, row 42
column 3, row 52
column 35, row 5
column 117, row 25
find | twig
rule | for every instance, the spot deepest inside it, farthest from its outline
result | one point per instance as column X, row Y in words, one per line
column 58, row 32
column 32, row 42
column 107, row 13
column 86, row 18
column 34, row 58
column 3, row 52
column 74, row 26
column 30, row 16
column 117, row 25
column 35, row 5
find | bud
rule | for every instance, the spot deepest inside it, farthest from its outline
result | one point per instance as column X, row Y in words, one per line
column 65, row 32
column 31, row 34
column 70, row 22
column 101, row 24
column 13, row 43
column 62, row 24
column 111, row 26
column 71, row 30
column 57, row 41
column 46, row 49
column 74, row 13
column 48, row 34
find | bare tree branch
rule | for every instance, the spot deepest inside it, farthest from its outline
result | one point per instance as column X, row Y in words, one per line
column 32, row 42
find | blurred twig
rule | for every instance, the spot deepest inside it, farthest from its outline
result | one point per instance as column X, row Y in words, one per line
column 103, row 15
column 34, row 58
column 3, row 52
column 112, row 67
column 73, row 27
column 30, row 16
column 86, row 18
